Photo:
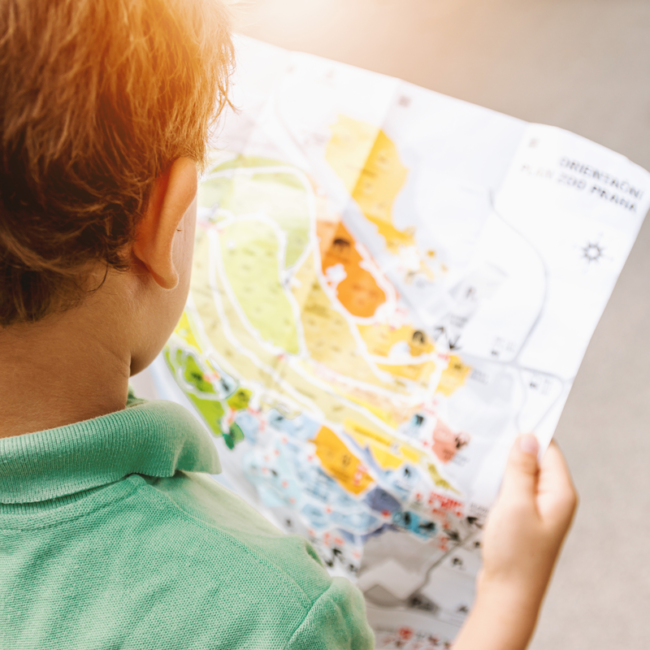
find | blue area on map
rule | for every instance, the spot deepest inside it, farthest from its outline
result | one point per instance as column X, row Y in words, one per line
column 248, row 424
column 402, row 481
column 413, row 427
column 301, row 427
column 356, row 522
column 315, row 515
column 281, row 465
column 381, row 501
column 323, row 488
column 414, row 523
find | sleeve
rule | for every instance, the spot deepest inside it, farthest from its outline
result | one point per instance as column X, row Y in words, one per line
column 336, row 621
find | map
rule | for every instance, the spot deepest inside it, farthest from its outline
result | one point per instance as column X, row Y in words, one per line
column 389, row 285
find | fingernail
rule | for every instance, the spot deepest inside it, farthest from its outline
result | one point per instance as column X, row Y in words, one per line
column 528, row 444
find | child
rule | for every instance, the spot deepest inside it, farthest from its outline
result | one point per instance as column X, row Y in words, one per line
column 110, row 536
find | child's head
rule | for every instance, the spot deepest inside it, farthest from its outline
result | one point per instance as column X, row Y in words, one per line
column 105, row 107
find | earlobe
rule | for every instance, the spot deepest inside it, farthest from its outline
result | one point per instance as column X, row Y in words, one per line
column 171, row 197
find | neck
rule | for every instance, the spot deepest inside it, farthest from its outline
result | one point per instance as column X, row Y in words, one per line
column 61, row 371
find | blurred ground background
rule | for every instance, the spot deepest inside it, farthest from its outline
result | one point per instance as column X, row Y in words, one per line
column 583, row 65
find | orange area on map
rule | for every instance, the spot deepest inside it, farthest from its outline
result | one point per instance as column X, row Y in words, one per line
column 380, row 338
column 453, row 377
column 358, row 291
column 340, row 463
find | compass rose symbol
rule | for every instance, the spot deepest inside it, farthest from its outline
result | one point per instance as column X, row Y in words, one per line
column 592, row 252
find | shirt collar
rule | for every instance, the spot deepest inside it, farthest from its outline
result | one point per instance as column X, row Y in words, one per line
column 149, row 438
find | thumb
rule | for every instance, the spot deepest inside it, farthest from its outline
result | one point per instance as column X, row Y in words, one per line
column 522, row 468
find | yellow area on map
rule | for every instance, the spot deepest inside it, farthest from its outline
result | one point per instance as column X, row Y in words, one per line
column 349, row 147
column 249, row 252
column 340, row 463
column 453, row 377
column 438, row 480
column 355, row 429
column 374, row 175
column 380, row 451
column 392, row 411
column 414, row 371
column 382, row 177
column 380, row 338
column 365, row 435
column 184, row 330
column 391, row 454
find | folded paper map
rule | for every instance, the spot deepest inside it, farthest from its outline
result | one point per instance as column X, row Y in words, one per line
column 389, row 285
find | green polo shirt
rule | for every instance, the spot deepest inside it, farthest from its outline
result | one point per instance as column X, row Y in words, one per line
column 111, row 538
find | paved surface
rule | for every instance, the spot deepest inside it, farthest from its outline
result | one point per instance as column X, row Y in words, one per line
column 583, row 65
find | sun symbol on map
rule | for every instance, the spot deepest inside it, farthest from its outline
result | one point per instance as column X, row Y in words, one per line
column 593, row 252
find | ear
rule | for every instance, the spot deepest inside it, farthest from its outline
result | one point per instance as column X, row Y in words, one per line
column 171, row 197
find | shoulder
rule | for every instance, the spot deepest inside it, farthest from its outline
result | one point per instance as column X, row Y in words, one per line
column 201, row 508
column 337, row 620
column 278, row 579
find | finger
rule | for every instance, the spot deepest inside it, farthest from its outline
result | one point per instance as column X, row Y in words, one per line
column 556, row 490
column 522, row 468
column 554, row 475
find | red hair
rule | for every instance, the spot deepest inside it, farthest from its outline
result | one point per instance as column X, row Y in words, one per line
column 97, row 99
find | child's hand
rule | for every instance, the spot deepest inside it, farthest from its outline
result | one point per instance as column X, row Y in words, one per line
column 522, row 539
column 528, row 523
